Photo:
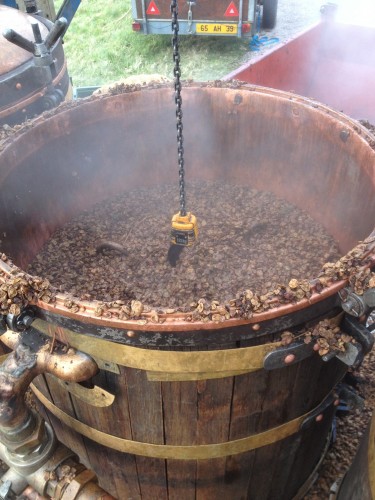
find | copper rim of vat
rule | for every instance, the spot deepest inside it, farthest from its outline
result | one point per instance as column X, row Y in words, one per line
column 345, row 138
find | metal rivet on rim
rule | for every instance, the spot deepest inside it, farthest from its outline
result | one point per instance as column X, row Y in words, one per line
column 289, row 359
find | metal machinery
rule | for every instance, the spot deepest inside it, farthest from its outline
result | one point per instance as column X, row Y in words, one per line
column 33, row 70
column 236, row 18
column 45, row 8
column 33, row 73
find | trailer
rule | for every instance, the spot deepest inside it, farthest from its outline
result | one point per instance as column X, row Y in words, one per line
column 230, row 18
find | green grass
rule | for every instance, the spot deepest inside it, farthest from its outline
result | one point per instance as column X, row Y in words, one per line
column 101, row 47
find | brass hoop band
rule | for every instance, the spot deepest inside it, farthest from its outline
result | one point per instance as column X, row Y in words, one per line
column 166, row 365
column 193, row 452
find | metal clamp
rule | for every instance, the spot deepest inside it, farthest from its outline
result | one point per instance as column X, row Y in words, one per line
column 287, row 355
column 354, row 354
column 314, row 415
column 190, row 17
column 357, row 305
column 352, row 303
column 351, row 356
column 359, row 332
column 350, row 400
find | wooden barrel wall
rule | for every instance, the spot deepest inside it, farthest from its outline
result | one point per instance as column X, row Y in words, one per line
column 192, row 413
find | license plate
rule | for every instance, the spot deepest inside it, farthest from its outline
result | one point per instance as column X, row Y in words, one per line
column 217, row 29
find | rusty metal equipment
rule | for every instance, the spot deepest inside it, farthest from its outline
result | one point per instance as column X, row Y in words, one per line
column 44, row 8
column 180, row 407
column 28, row 444
column 33, row 73
column 320, row 63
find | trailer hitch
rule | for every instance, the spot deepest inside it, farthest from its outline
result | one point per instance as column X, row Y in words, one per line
column 190, row 16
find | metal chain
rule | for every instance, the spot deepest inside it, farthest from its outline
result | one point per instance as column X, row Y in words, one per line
column 178, row 101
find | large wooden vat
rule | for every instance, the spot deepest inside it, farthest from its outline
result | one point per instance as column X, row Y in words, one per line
column 186, row 409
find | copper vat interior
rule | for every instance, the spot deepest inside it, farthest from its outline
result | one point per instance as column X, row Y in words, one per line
column 269, row 140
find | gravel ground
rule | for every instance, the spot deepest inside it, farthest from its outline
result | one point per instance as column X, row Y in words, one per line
column 350, row 428
column 294, row 16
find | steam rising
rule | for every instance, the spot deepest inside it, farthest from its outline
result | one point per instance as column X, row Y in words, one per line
column 359, row 12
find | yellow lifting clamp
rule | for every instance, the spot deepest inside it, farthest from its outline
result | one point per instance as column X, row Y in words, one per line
column 184, row 229
column 184, row 224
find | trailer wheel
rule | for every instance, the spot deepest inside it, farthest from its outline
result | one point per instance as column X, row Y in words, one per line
column 269, row 14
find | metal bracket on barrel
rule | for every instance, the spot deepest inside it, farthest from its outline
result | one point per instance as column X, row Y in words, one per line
column 287, row 355
column 355, row 307
column 317, row 415
column 17, row 323
column 364, row 341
